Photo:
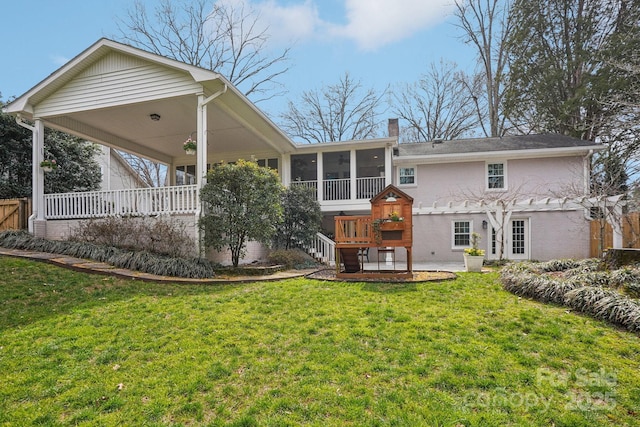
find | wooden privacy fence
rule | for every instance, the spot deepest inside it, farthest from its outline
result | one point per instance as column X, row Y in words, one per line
column 601, row 234
column 14, row 214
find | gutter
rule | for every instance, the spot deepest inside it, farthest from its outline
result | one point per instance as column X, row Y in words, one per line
column 432, row 158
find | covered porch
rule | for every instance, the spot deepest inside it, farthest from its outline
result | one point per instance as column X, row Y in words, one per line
column 146, row 105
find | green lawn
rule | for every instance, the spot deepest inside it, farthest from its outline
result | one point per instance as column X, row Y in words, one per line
column 80, row 349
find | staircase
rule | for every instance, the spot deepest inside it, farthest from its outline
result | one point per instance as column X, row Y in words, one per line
column 322, row 249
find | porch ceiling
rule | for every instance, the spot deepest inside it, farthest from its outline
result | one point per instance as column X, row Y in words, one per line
column 130, row 128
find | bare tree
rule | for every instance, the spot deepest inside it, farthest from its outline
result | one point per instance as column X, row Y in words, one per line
column 437, row 106
column 220, row 37
column 486, row 25
column 340, row 112
column 151, row 173
column 498, row 205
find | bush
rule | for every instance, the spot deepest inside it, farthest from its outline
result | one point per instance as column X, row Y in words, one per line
column 582, row 287
column 536, row 286
column 584, row 265
column 606, row 304
column 590, row 278
column 292, row 258
column 147, row 262
column 159, row 235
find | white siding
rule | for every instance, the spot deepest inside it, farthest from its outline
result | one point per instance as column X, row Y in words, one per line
column 117, row 80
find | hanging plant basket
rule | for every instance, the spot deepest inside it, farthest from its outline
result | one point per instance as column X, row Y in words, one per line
column 190, row 146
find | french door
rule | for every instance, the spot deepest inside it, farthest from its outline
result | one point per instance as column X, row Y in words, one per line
column 518, row 239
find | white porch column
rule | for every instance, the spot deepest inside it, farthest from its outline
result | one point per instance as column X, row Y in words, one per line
column 388, row 165
column 353, row 173
column 37, row 221
column 319, row 176
column 285, row 169
column 201, row 159
column 201, row 152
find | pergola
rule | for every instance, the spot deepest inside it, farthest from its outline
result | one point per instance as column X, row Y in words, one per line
column 147, row 105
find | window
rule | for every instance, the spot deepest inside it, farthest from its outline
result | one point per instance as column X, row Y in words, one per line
column 270, row 163
column 186, row 175
column 461, row 234
column 496, row 176
column 407, row 175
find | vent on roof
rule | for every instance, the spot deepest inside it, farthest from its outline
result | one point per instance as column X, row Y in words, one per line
column 438, row 141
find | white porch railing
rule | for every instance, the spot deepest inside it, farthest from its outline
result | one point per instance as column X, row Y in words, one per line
column 337, row 189
column 368, row 188
column 340, row 189
column 181, row 199
column 323, row 249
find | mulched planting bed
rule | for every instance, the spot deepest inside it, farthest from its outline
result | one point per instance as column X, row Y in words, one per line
column 418, row 276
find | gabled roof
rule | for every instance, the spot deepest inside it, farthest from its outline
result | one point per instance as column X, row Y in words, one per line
column 93, row 53
column 543, row 145
column 391, row 190
column 107, row 93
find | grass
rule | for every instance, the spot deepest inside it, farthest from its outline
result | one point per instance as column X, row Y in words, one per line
column 89, row 350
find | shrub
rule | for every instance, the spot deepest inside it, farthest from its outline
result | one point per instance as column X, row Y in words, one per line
column 606, row 304
column 632, row 289
column 159, row 235
column 591, row 278
column 590, row 264
column 539, row 287
column 302, row 218
column 582, row 288
column 147, row 262
column 625, row 275
column 291, row 258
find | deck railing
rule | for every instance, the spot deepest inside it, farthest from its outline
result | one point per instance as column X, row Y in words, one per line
column 340, row 189
column 354, row 230
column 181, row 199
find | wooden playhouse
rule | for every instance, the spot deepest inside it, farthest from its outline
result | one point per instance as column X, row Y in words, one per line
column 388, row 228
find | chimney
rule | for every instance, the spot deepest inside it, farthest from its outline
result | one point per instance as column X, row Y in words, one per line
column 394, row 130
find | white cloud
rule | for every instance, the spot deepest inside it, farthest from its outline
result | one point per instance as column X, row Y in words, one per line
column 375, row 23
column 290, row 23
column 371, row 24
column 285, row 24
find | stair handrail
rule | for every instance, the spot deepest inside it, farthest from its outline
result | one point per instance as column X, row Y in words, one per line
column 324, row 249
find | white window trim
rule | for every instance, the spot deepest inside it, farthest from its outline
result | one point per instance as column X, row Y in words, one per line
column 415, row 175
column 504, row 171
column 453, row 234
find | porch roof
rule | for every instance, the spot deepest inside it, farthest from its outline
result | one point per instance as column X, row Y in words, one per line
column 107, row 94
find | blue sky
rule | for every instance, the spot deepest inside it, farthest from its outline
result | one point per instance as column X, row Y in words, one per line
column 380, row 42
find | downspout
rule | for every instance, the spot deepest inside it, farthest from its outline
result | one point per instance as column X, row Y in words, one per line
column 34, row 170
column 586, row 165
column 201, row 163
